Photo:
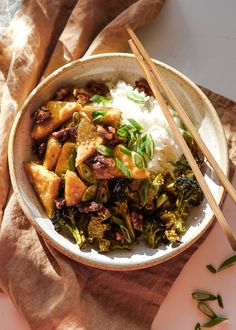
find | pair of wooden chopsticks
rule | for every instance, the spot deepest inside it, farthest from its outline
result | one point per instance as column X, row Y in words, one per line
column 152, row 76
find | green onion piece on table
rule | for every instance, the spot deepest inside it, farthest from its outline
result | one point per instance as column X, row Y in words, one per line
column 203, row 296
column 214, row 322
column 211, row 269
column 206, row 310
column 227, row 263
column 220, row 301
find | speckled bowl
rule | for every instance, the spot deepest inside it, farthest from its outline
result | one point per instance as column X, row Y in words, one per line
column 112, row 67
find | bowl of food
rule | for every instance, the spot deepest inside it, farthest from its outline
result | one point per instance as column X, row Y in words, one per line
column 97, row 171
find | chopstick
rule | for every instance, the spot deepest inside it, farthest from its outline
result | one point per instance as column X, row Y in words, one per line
column 183, row 116
column 150, row 76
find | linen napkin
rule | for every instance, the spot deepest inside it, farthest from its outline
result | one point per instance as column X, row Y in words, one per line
column 48, row 289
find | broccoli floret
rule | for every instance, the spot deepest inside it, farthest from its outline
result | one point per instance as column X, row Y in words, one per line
column 174, row 223
column 189, row 192
column 96, row 230
column 67, row 217
column 196, row 152
column 124, row 211
column 153, row 234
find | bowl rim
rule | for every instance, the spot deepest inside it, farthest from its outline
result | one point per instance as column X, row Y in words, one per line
column 96, row 263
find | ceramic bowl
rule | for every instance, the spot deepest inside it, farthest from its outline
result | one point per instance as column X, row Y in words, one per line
column 114, row 67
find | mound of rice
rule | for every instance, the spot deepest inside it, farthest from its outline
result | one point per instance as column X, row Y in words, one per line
column 149, row 115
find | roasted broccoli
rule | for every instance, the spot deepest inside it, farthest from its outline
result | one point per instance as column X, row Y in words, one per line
column 96, row 230
column 189, row 192
column 153, row 234
column 68, row 217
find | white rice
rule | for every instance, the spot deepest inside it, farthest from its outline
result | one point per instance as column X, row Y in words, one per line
column 149, row 115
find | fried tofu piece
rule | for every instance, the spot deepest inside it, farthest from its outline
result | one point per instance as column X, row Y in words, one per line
column 135, row 172
column 63, row 163
column 74, row 188
column 112, row 116
column 46, row 184
column 53, row 151
column 60, row 113
column 87, row 140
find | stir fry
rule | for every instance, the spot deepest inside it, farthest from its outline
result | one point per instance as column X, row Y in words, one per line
column 92, row 174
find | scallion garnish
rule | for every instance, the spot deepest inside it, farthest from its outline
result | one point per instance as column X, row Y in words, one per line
column 197, row 326
column 220, row 301
column 214, row 322
column 149, row 146
column 205, row 309
column 122, row 167
column 126, row 233
column 98, row 119
column 227, row 263
column 135, row 97
column 123, row 131
column 98, row 113
column 203, row 296
column 211, row 269
column 100, row 99
column 143, row 192
column 71, row 160
column 135, row 124
column 125, row 150
column 105, row 151
column 137, row 159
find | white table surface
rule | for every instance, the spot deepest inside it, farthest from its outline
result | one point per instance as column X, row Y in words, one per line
column 199, row 39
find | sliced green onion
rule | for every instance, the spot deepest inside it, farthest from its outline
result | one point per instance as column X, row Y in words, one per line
column 149, row 146
column 211, row 269
column 197, row 326
column 135, row 97
column 76, row 119
column 137, row 159
column 220, row 301
column 126, row 233
column 161, row 200
column 214, row 321
column 98, row 113
column 98, row 119
column 89, row 193
column 135, row 124
column 227, row 263
column 72, row 159
column 102, row 194
column 123, row 131
column 105, row 151
column 143, row 192
column 206, row 310
column 122, row 167
column 125, row 150
column 100, row 99
column 86, row 173
column 203, row 296
column 117, row 221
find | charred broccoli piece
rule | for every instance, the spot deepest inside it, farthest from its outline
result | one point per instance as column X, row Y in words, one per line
column 174, row 224
column 67, row 218
column 153, row 234
column 189, row 192
column 96, row 230
column 196, row 152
